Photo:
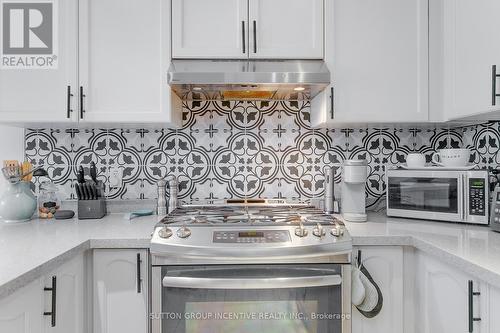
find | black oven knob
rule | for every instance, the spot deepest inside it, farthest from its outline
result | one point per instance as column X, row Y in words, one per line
column 183, row 232
column 165, row 232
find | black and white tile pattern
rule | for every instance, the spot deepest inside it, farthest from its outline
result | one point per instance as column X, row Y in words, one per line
column 244, row 149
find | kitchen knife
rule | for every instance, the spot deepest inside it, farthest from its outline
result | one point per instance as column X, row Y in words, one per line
column 93, row 172
column 89, row 191
column 77, row 190
column 84, row 191
column 94, row 191
column 80, row 176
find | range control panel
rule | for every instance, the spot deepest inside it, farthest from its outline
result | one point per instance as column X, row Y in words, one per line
column 252, row 236
column 477, row 196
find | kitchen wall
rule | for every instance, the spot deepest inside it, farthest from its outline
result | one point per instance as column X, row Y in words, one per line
column 244, row 149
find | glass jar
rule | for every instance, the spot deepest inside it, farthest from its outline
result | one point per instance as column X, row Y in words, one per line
column 48, row 200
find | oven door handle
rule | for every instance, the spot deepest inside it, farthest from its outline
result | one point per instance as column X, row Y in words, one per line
column 253, row 283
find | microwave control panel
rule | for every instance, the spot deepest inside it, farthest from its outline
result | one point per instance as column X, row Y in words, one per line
column 477, row 196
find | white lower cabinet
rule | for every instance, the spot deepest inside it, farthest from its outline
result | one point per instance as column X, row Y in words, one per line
column 69, row 298
column 494, row 309
column 385, row 265
column 23, row 311
column 442, row 298
column 120, row 291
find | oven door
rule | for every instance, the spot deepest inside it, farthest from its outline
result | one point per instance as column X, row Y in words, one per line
column 251, row 298
column 435, row 195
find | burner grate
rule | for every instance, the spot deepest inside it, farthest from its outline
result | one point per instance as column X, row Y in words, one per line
column 249, row 215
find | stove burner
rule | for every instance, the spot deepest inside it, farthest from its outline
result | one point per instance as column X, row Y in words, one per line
column 248, row 215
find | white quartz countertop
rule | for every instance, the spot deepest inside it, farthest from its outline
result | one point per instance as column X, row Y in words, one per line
column 473, row 249
column 30, row 250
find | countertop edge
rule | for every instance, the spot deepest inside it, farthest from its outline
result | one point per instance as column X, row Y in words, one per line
column 463, row 264
column 477, row 271
column 17, row 283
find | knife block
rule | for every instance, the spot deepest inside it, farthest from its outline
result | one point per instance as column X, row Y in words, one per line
column 91, row 209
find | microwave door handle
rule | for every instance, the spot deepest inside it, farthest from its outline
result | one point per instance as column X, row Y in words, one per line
column 466, row 198
column 463, row 216
column 252, row 283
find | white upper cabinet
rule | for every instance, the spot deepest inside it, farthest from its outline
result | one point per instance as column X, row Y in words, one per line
column 286, row 29
column 241, row 29
column 209, row 29
column 32, row 93
column 124, row 58
column 464, row 49
column 377, row 52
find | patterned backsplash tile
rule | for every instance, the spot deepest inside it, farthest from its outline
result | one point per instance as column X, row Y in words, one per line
column 244, row 149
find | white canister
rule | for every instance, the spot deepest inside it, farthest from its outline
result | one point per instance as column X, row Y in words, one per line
column 355, row 171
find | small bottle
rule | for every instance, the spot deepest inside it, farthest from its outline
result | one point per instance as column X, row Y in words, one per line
column 161, row 205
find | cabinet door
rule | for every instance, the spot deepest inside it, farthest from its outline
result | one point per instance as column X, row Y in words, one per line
column 442, row 293
column 22, row 311
column 69, row 298
column 124, row 59
column 377, row 53
column 33, row 94
column 385, row 265
column 210, row 29
column 120, row 299
column 494, row 309
column 286, row 29
column 470, row 50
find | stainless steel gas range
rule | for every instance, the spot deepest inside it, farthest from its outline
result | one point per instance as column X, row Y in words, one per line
column 249, row 267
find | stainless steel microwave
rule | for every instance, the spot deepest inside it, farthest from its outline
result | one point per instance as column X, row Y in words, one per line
column 445, row 195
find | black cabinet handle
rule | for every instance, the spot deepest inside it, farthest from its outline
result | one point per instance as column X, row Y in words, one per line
column 52, row 312
column 332, row 103
column 139, row 279
column 82, row 108
column 254, row 36
column 494, row 77
column 68, row 101
column 243, row 37
column 472, row 293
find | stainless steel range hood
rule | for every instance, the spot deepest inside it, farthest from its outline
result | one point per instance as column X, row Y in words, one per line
column 248, row 79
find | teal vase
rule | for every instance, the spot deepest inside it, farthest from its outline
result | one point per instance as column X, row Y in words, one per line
column 17, row 203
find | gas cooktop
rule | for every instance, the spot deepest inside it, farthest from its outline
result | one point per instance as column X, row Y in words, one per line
column 249, row 233
column 275, row 215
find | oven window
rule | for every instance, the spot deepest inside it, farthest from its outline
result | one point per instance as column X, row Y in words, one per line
column 439, row 195
column 247, row 308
